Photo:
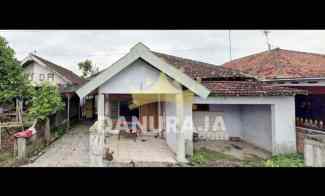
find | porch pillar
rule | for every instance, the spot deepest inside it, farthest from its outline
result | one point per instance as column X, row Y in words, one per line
column 283, row 126
column 180, row 139
column 107, row 108
column 101, row 107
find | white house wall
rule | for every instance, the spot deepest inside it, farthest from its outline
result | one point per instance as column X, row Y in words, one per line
column 37, row 69
column 257, row 125
column 139, row 76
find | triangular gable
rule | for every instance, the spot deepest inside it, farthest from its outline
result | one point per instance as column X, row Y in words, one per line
column 32, row 58
column 143, row 52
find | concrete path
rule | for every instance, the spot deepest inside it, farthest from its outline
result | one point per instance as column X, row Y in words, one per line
column 146, row 149
column 71, row 150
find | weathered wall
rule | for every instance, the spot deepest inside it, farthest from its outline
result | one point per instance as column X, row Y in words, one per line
column 37, row 69
column 314, row 150
column 256, row 125
column 231, row 116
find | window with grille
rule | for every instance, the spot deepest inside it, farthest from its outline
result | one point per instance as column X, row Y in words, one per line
column 50, row 76
column 114, row 110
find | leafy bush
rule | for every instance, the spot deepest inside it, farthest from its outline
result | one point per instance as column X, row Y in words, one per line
column 288, row 160
column 46, row 100
column 60, row 131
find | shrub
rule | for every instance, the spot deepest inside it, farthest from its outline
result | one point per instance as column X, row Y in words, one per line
column 46, row 100
column 204, row 155
column 288, row 160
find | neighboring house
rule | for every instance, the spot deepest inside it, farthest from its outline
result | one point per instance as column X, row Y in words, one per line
column 39, row 70
column 289, row 68
column 147, row 83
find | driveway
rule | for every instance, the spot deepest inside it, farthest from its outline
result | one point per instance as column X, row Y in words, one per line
column 146, row 149
column 71, row 150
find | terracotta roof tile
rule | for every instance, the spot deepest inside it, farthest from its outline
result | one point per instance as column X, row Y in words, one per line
column 280, row 63
column 248, row 88
column 202, row 70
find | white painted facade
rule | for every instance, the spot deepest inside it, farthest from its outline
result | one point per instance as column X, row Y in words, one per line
column 38, row 73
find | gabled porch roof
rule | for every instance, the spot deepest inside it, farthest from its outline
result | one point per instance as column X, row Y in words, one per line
column 140, row 51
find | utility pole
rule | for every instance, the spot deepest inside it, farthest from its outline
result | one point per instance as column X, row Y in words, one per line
column 229, row 40
column 266, row 34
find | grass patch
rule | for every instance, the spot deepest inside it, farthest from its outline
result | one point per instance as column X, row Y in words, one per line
column 6, row 159
column 204, row 155
column 288, row 160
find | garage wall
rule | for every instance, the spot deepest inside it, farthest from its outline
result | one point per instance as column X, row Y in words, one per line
column 250, row 122
column 231, row 115
column 257, row 125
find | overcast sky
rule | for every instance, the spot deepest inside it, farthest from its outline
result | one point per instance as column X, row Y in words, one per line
column 103, row 47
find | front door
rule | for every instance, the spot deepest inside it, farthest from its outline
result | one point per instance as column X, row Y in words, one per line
column 149, row 112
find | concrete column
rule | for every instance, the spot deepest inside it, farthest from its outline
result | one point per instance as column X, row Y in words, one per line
column 188, row 128
column 107, row 107
column 180, row 140
column 101, row 107
column 283, row 126
column 21, row 148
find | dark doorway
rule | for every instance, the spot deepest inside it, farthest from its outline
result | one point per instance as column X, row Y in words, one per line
column 126, row 112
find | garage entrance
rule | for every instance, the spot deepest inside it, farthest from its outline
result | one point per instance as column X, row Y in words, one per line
column 251, row 123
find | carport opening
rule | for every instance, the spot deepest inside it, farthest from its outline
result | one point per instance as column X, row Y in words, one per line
column 251, row 123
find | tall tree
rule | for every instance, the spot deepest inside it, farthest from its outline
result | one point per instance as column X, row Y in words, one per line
column 87, row 68
column 13, row 83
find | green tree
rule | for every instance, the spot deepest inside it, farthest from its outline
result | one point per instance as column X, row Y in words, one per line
column 13, row 83
column 87, row 68
column 46, row 100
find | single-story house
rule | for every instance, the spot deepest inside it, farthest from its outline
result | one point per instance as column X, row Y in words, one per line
column 180, row 94
column 38, row 69
column 301, row 70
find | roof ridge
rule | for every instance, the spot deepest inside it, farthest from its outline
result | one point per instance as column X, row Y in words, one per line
column 251, row 55
column 303, row 52
column 186, row 58
column 42, row 59
column 67, row 73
